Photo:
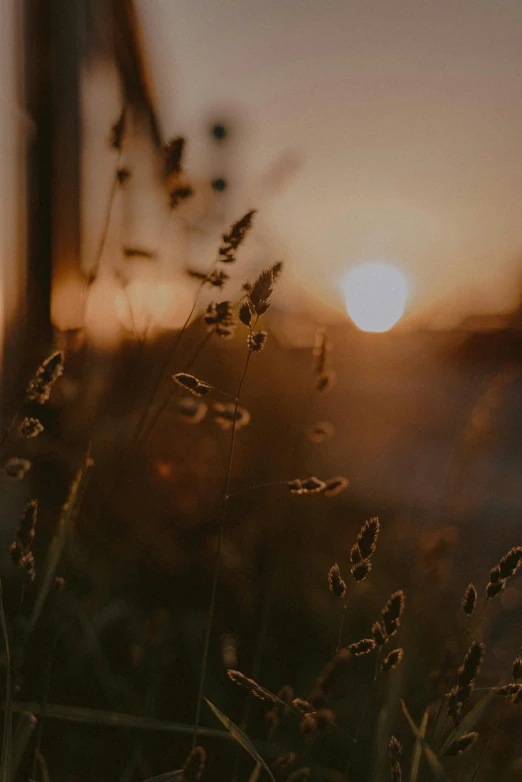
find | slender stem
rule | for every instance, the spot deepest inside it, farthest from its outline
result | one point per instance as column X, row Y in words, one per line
column 488, row 742
column 477, row 617
column 160, row 377
column 256, row 486
column 147, row 432
column 9, row 429
column 343, row 617
column 218, row 560
column 43, row 703
column 363, row 714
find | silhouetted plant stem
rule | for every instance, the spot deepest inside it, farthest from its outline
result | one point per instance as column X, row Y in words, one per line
column 169, row 398
column 488, row 742
column 217, row 568
column 107, row 218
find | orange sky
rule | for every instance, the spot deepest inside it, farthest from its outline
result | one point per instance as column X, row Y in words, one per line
column 407, row 117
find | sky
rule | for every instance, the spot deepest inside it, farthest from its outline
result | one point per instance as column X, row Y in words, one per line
column 406, row 120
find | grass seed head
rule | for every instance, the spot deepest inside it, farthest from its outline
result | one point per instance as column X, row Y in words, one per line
column 256, row 342
column 392, row 660
column 364, row 646
column 335, row 486
column 17, row 468
column 469, row 599
column 462, row 744
column 335, row 582
column 192, row 384
column 392, row 611
column 194, row 765
column 234, row 237
column 361, row 570
column 39, row 388
column 367, row 537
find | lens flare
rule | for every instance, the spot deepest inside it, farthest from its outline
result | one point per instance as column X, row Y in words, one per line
column 375, row 296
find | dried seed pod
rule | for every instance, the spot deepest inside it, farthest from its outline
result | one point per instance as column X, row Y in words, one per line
column 364, row 646
column 227, row 413
column 510, row 562
column 391, row 613
column 39, row 388
column 378, row 633
column 220, row 319
column 31, row 427
column 194, row 765
column 469, row 599
column 192, row 384
column 245, row 314
column 20, row 548
column 233, row 238
column 256, row 342
column 303, row 706
column 335, row 582
column 466, row 675
column 392, row 660
column 367, row 537
column 319, row 432
column 493, row 589
column 190, row 410
column 462, row 744
column 361, row 570
column 310, row 485
column 16, row 467
column 394, row 756
column 253, row 687
column 173, row 152
column 261, row 292
column 335, row 486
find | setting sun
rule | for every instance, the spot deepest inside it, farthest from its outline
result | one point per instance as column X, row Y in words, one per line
column 375, row 296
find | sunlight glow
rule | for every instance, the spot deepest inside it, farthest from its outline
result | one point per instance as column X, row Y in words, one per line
column 375, row 296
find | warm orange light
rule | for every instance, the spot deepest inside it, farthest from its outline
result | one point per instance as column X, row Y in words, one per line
column 150, row 302
column 375, row 296
column 101, row 316
column 68, row 297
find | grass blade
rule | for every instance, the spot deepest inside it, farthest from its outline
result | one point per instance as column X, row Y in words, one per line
column 113, row 719
column 23, row 732
column 254, row 776
column 5, row 761
column 58, row 541
column 170, row 776
column 431, row 758
column 240, row 737
column 417, row 752
column 468, row 723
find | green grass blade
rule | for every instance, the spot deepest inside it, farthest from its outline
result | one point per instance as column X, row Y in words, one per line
column 417, row 752
column 58, row 541
column 112, row 719
column 468, row 723
column 24, row 729
column 254, row 776
column 240, row 737
column 431, row 758
column 7, row 738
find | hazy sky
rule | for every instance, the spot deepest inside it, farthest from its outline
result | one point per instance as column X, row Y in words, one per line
column 407, row 115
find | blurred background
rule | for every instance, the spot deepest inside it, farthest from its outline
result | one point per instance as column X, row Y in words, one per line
column 380, row 144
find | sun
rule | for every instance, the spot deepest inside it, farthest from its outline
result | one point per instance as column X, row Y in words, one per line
column 375, row 296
